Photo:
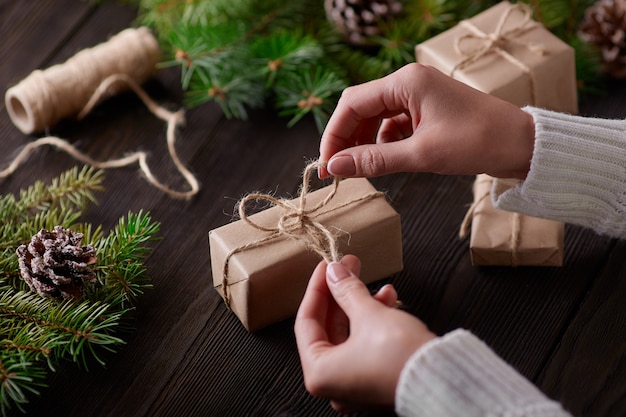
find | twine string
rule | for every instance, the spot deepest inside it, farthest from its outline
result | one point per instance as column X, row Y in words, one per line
column 47, row 96
column 515, row 223
column 496, row 41
column 515, row 238
column 469, row 215
column 298, row 222
column 173, row 120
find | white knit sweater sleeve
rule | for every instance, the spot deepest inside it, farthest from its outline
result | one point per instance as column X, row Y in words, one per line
column 457, row 375
column 577, row 173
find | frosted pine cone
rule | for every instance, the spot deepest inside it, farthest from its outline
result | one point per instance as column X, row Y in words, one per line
column 360, row 19
column 55, row 265
column 604, row 25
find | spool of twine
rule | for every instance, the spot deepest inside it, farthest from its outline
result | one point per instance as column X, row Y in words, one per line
column 61, row 91
column 75, row 87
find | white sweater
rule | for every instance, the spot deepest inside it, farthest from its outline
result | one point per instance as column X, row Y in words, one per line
column 577, row 175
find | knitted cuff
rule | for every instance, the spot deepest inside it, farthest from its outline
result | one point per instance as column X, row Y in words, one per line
column 577, row 173
column 458, row 375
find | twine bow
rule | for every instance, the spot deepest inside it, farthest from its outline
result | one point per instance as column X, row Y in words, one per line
column 496, row 41
column 297, row 223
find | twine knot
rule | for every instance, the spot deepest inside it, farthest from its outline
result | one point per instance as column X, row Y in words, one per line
column 298, row 221
column 496, row 42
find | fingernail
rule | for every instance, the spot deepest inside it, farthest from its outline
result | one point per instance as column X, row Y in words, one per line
column 336, row 271
column 321, row 170
column 381, row 289
column 341, row 166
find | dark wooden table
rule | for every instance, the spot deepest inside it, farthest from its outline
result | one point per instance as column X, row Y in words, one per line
column 563, row 328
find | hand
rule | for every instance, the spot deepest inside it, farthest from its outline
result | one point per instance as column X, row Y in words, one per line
column 353, row 345
column 447, row 127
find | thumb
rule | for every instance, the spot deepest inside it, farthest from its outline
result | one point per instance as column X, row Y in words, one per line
column 373, row 160
column 347, row 289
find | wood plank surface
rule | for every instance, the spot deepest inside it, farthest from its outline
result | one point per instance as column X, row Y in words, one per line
column 563, row 328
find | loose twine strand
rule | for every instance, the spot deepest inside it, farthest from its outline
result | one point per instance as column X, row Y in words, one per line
column 297, row 223
column 515, row 223
column 494, row 43
column 173, row 120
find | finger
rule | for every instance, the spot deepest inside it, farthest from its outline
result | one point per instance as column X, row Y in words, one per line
column 349, row 407
column 366, row 131
column 375, row 160
column 387, row 295
column 348, row 290
column 337, row 323
column 345, row 407
column 395, row 128
column 310, row 321
column 353, row 263
column 358, row 114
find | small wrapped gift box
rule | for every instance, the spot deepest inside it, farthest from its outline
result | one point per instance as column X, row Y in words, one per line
column 503, row 52
column 262, row 275
column 511, row 239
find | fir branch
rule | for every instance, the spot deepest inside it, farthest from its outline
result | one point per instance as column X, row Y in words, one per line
column 285, row 51
column 197, row 46
column 120, row 254
column 397, row 44
column 74, row 188
column 234, row 91
column 235, row 52
column 36, row 333
column 66, row 329
column 310, row 91
column 18, row 380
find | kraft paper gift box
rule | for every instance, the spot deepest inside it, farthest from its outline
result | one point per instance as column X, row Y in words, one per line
column 266, row 282
column 503, row 52
column 511, row 239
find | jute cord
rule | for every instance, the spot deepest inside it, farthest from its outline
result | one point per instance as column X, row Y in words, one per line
column 47, row 96
column 298, row 222
column 173, row 120
column 496, row 41
column 515, row 225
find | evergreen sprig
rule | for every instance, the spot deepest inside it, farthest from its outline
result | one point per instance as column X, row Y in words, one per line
column 246, row 54
column 39, row 334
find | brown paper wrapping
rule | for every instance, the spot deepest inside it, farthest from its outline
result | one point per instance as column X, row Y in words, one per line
column 511, row 239
column 550, row 61
column 267, row 283
column 527, row 65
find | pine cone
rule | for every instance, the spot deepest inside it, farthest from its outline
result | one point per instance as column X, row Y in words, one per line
column 604, row 25
column 54, row 264
column 360, row 19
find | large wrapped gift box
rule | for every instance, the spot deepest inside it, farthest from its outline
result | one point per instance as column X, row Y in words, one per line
column 511, row 239
column 503, row 52
column 266, row 282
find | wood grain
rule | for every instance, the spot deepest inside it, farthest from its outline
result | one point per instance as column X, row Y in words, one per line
column 563, row 328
